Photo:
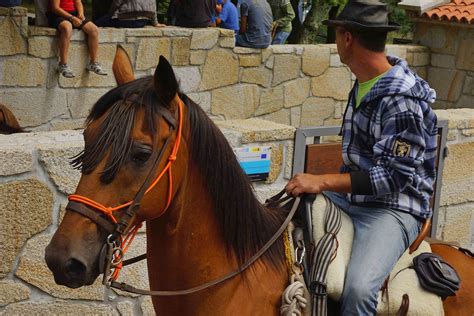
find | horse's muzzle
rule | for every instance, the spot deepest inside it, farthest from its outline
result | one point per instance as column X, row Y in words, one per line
column 69, row 270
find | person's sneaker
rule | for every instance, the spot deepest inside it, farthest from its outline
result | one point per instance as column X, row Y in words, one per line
column 96, row 68
column 65, row 70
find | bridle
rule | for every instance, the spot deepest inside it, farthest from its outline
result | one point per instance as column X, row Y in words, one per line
column 122, row 231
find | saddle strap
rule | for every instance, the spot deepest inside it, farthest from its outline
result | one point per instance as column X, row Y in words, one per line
column 323, row 254
column 405, row 306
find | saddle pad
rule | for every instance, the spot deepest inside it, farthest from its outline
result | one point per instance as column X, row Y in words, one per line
column 406, row 282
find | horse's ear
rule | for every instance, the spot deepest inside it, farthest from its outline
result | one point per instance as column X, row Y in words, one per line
column 8, row 122
column 165, row 82
column 122, row 66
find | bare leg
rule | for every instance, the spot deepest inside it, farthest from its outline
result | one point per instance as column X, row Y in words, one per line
column 65, row 33
column 92, row 40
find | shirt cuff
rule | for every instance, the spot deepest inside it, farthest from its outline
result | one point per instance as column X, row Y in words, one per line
column 361, row 184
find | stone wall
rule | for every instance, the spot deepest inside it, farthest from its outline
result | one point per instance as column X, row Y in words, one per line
column 35, row 179
column 296, row 85
column 451, row 69
column 456, row 212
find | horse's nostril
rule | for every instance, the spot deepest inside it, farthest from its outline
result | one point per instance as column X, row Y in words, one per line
column 75, row 269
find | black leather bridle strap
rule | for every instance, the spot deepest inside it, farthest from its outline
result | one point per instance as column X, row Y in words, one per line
column 126, row 218
column 93, row 215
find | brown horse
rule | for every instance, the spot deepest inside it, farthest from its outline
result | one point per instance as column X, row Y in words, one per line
column 8, row 121
column 204, row 225
column 213, row 223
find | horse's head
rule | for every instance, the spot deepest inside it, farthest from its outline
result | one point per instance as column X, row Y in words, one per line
column 131, row 140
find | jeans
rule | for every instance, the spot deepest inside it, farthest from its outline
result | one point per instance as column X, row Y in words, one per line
column 241, row 40
column 280, row 37
column 381, row 236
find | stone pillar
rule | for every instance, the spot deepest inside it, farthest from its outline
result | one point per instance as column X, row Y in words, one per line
column 13, row 30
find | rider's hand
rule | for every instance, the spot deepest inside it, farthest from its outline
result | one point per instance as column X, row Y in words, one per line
column 305, row 183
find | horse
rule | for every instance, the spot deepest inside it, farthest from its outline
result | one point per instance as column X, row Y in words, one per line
column 8, row 122
column 202, row 217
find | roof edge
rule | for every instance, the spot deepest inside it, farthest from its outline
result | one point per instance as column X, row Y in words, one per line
column 421, row 6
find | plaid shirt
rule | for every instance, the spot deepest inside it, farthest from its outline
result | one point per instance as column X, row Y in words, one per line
column 389, row 143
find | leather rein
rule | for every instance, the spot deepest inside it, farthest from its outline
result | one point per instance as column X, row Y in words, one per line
column 122, row 231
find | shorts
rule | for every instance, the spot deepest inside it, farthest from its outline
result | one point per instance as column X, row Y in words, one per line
column 54, row 20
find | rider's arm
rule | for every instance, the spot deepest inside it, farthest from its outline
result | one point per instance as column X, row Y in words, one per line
column 310, row 183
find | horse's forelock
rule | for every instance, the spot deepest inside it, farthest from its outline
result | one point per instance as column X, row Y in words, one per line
column 110, row 123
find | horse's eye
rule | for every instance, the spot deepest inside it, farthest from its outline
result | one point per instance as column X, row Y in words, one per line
column 139, row 157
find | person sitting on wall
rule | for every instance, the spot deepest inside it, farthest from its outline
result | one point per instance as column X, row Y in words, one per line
column 283, row 14
column 255, row 24
column 193, row 13
column 66, row 15
column 130, row 14
column 228, row 17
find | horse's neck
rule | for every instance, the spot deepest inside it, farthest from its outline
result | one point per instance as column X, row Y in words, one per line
column 186, row 249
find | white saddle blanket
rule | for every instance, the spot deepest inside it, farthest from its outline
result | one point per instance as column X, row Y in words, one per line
column 406, row 282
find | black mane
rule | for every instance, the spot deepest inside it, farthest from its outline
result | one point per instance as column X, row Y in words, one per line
column 245, row 224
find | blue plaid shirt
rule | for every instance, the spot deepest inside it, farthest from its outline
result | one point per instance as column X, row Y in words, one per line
column 389, row 143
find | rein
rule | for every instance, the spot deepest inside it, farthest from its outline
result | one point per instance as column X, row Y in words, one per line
column 128, row 288
column 122, row 232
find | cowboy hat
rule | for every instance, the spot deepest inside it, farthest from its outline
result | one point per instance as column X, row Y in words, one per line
column 364, row 14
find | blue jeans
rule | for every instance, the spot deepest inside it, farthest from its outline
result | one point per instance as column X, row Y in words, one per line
column 241, row 40
column 280, row 37
column 381, row 236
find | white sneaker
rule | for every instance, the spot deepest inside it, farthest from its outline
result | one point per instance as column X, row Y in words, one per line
column 65, row 70
column 96, row 68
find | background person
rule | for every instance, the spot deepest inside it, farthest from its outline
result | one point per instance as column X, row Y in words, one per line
column 66, row 15
column 388, row 149
column 255, row 24
column 130, row 14
column 283, row 14
column 227, row 15
column 193, row 13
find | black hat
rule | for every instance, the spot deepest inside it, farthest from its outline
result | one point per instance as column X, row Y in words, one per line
column 364, row 14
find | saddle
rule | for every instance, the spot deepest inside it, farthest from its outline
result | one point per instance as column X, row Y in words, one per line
column 328, row 233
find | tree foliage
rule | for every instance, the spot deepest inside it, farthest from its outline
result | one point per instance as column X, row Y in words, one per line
column 312, row 31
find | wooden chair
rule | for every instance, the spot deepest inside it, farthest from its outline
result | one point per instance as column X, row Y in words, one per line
column 313, row 156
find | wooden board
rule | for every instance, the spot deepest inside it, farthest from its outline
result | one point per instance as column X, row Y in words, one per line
column 323, row 158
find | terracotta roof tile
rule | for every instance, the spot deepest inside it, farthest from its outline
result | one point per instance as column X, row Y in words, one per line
column 461, row 11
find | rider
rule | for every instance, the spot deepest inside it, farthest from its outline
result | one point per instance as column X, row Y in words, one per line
column 389, row 147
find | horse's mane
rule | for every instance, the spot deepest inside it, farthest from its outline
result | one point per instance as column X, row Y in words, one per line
column 245, row 224
column 8, row 122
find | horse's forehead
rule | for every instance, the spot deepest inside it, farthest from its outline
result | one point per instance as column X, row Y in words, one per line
column 141, row 128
